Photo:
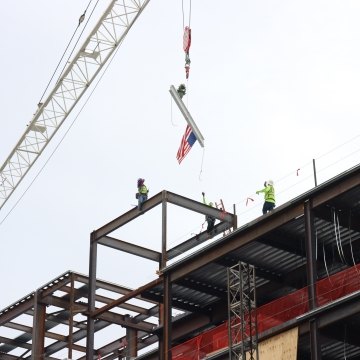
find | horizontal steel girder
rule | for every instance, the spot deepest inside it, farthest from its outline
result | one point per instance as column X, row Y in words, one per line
column 129, row 248
column 158, row 199
column 106, row 316
column 196, row 240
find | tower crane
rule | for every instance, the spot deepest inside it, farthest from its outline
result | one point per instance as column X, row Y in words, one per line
column 105, row 38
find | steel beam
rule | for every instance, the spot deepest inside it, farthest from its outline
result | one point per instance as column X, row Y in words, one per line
column 158, row 199
column 123, row 321
column 178, row 304
column 234, row 241
column 128, row 216
column 335, row 187
column 129, row 248
column 104, row 285
column 272, row 277
column 113, row 347
column 186, row 115
column 17, row 309
column 55, row 284
column 29, row 329
column 107, row 317
column 14, row 343
column 199, row 207
column 77, row 336
column 196, row 240
column 91, row 298
column 38, row 334
column 12, row 357
column 203, row 286
column 130, row 295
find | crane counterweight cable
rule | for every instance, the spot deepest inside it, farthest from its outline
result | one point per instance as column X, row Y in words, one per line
column 81, row 19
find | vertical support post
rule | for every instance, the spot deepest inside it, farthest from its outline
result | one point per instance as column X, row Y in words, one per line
column 91, row 298
column 310, row 245
column 164, row 232
column 235, row 218
column 71, row 317
column 162, row 263
column 131, row 339
column 38, row 332
column 167, row 333
column 314, row 169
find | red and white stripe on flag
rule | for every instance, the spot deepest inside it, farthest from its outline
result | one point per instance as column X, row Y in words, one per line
column 187, row 142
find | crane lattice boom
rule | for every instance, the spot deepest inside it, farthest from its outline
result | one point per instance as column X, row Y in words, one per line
column 107, row 35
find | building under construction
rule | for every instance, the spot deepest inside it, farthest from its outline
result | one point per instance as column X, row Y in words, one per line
column 284, row 286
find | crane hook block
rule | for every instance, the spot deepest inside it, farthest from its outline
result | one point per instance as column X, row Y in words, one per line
column 187, row 39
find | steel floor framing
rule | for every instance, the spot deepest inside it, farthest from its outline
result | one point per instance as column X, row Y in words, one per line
column 313, row 236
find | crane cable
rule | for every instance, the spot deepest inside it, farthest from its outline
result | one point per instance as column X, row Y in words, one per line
column 186, row 47
column 81, row 19
column 63, row 137
column 182, row 5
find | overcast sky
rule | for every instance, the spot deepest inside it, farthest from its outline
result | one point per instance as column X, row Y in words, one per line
column 273, row 85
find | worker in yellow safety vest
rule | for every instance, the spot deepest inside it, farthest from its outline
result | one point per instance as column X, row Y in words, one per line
column 269, row 196
column 209, row 219
column 142, row 194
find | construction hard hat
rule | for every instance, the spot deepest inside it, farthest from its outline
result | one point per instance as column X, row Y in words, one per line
column 270, row 182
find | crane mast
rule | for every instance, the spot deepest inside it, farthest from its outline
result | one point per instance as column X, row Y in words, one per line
column 107, row 35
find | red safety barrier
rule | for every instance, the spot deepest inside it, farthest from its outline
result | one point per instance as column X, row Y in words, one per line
column 273, row 313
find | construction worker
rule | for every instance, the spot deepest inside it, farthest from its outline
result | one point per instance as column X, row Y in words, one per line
column 181, row 90
column 209, row 219
column 269, row 196
column 142, row 194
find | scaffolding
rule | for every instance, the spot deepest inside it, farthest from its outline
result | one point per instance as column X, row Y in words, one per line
column 242, row 324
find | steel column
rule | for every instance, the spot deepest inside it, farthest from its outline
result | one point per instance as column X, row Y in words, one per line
column 71, row 317
column 163, row 232
column 132, row 346
column 38, row 332
column 310, row 244
column 235, row 218
column 91, row 298
column 163, row 259
column 165, row 350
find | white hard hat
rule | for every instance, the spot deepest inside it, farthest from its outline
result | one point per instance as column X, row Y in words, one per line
column 270, row 182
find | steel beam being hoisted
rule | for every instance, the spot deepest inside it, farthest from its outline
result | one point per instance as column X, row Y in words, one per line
column 187, row 115
column 107, row 35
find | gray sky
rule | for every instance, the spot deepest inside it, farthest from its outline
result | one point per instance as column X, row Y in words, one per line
column 273, row 85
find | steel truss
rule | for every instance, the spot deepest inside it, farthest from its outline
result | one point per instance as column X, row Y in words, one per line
column 100, row 45
column 242, row 322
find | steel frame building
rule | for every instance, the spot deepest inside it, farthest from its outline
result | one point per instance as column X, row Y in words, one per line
column 315, row 236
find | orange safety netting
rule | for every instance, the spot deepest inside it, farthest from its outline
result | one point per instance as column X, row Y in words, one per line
column 274, row 313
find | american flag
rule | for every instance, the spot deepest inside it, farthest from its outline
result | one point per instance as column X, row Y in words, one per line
column 187, row 142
